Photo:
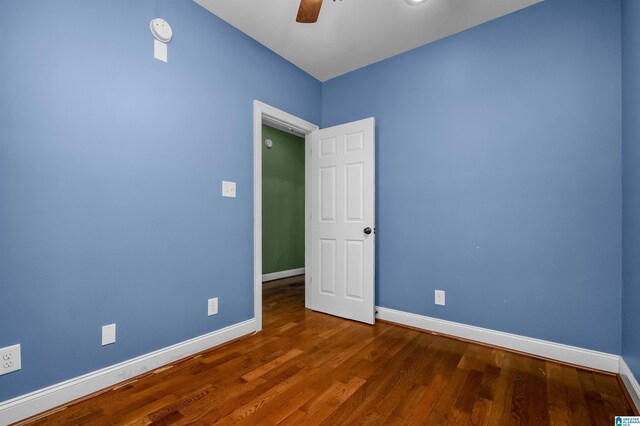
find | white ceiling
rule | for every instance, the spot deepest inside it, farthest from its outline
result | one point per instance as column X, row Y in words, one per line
column 351, row 34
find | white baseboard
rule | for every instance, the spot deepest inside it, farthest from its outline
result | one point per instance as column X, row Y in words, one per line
column 41, row 400
column 556, row 351
column 630, row 382
column 282, row 274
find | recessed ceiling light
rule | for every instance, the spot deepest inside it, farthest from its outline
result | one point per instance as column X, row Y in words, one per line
column 415, row 2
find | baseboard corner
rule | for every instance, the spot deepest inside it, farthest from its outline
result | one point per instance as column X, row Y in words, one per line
column 630, row 382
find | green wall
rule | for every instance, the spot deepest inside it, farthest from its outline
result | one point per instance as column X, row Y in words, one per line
column 282, row 201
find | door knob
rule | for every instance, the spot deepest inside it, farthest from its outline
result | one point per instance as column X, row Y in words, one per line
column 367, row 230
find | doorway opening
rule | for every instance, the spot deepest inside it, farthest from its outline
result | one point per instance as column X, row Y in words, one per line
column 283, row 131
column 283, row 179
column 339, row 237
column 282, row 203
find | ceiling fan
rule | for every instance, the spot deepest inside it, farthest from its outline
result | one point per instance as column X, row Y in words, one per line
column 308, row 11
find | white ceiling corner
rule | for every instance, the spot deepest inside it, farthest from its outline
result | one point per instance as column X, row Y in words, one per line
column 351, row 34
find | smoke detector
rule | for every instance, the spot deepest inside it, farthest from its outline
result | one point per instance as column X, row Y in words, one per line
column 161, row 30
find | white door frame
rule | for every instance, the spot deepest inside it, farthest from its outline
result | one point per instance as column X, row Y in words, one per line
column 263, row 112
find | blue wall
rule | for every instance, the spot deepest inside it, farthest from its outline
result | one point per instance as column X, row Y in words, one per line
column 110, row 170
column 499, row 176
column 631, row 184
column 498, row 172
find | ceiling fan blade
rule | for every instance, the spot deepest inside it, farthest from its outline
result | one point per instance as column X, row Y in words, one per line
column 308, row 11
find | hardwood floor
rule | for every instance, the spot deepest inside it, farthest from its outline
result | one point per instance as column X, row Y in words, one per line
column 311, row 368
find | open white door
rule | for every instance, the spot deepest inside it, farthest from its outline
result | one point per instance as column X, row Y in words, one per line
column 343, row 220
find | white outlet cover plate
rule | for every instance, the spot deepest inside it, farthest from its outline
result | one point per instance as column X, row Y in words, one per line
column 439, row 297
column 108, row 334
column 212, row 306
column 10, row 359
column 228, row 189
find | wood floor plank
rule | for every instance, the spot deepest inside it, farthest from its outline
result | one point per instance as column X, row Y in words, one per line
column 375, row 388
column 576, row 401
column 310, row 368
column 521, row 390
column 592, row 396
column 557, row 397
column 296, row 418
column 263, row 369
column 538, row 403
column 291, row 406
column 480, row 412
column 409, row 401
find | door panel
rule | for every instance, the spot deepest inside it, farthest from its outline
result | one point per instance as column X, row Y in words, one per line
column 354, row 202
column 327, row 270
column 354, row 265
column 342, row 206
column 328, row 194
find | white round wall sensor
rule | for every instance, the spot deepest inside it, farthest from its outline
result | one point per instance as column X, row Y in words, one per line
column 161, row 30
column 268, row 143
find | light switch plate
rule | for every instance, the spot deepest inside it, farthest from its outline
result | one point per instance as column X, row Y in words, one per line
column 228, row 189
column 108, row 334
column 439, row 295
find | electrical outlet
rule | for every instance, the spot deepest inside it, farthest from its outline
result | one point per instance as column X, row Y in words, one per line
column 439, row 297
column 108, row 334
column 212, row 306
column 10, row 359
column 228, row 189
